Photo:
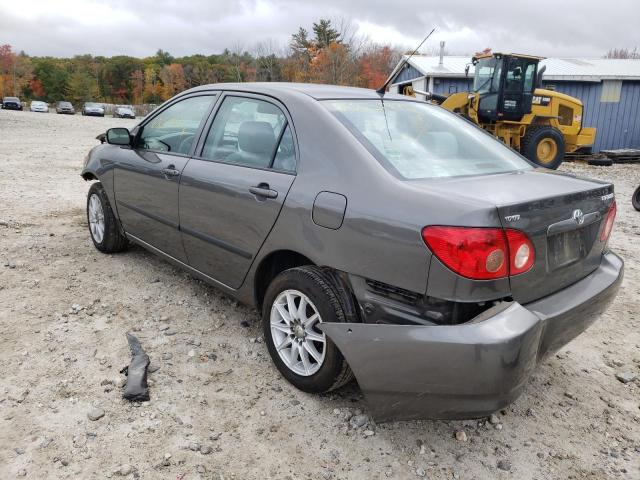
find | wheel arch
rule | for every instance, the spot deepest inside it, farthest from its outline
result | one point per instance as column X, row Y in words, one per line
column 270, row 266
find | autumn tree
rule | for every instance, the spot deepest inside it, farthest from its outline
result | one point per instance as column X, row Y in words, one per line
column 268, row 65
column 333, row 65
column 137, row 86
column 152, row 86
column 173, row 82
column 82, row 87
column 53, row 74
column 376, row 64
column 325, row 34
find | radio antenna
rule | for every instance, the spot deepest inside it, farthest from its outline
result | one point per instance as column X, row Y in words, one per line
column 383, row 88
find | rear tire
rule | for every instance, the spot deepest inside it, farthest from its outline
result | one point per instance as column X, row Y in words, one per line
column 103, row 226
column 543, row 145
column 635, row 199
column 325, row 369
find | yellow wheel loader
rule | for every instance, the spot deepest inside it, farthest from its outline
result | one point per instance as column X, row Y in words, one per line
column 541, row 124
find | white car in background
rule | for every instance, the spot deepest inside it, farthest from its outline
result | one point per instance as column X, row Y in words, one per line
column 124, row 111
column 37, row 106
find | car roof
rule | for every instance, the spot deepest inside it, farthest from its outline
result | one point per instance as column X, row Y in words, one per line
column 314, row 90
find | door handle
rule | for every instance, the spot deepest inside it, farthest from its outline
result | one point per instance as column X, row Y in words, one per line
column 263, row 190
column 170, row 171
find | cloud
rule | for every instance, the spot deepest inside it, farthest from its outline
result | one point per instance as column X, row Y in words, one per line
column 139, row 28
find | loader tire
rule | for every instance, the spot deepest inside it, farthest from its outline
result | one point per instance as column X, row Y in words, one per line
column 544, row 145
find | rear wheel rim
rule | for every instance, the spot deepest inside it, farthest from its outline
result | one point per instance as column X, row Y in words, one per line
column 546, row 150
column 300, row 345
column 96, row 218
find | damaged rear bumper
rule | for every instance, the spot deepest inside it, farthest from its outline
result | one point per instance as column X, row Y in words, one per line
column 472, row 369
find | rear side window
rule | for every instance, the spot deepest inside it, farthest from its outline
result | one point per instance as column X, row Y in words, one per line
column 174, row 129
column 285, row 158
column 417, row 140
column 250, row 132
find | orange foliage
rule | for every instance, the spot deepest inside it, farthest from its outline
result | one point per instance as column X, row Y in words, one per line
column 36, row 88
column 375, row 67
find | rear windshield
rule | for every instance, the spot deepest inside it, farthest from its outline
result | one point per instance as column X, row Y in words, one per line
column 418, row 140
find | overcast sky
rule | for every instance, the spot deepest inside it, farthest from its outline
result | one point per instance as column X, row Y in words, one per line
column 141, row 27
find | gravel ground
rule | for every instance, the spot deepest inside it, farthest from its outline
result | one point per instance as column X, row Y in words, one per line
column 218, row 408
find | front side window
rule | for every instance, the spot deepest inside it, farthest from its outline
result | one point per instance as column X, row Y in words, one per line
column 245, row 131
column 417, row 140
column 487, row 76
column 174, row 129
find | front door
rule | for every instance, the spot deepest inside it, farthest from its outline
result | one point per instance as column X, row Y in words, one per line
column 232, row 192
column 519, row 84
column 147, row 176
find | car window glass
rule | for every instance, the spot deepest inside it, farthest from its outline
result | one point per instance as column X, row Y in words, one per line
column 245, row 131
column 418, row 140
column 529, row 78
column 174, row 129
column 285, row 158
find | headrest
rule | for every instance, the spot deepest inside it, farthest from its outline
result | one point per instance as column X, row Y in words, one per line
column 256, row 137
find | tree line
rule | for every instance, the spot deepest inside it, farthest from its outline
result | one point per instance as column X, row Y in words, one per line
column 333, row 54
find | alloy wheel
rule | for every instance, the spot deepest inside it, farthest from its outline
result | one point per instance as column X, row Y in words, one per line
column 300, row 345
column 96, row 218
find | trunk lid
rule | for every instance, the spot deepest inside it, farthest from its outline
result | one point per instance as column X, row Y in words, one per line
column 563, row 216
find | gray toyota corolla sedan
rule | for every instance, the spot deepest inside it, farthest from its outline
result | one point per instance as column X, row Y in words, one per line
column 381, row 237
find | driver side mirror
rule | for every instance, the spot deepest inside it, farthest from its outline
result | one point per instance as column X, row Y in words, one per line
column 118, row 136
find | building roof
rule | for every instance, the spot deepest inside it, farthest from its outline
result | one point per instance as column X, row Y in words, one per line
column 576, row 69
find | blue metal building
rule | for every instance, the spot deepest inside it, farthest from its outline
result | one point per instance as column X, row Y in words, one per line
column 608, row 88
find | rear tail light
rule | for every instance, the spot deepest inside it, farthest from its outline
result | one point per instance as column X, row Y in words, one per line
column 608, row 222
column 521, row 254
column 480, row 253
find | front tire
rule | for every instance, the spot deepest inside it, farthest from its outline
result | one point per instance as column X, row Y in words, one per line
column 635, row 199
column 103, row 226
column 295, row 303
column 544, row 145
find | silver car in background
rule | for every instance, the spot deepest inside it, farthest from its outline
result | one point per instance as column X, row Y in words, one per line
column 379, row 236
column 64, row 107
column 93, row 109
column 37, row 106
column 124, row 111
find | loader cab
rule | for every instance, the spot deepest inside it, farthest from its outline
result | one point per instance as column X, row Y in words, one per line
column 505, row 85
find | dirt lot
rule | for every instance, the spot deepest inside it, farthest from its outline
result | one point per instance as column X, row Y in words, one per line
column 219, row 409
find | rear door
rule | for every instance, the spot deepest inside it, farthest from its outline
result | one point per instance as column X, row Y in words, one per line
column 231, row 193
column 147, row 176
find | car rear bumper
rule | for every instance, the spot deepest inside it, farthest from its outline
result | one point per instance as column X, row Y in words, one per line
column 472, row 369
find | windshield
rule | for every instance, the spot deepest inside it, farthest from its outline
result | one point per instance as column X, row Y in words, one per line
column 419, row 140
column 10, row 99
column 64, row 104
column 93, row 105
column 487, row 75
